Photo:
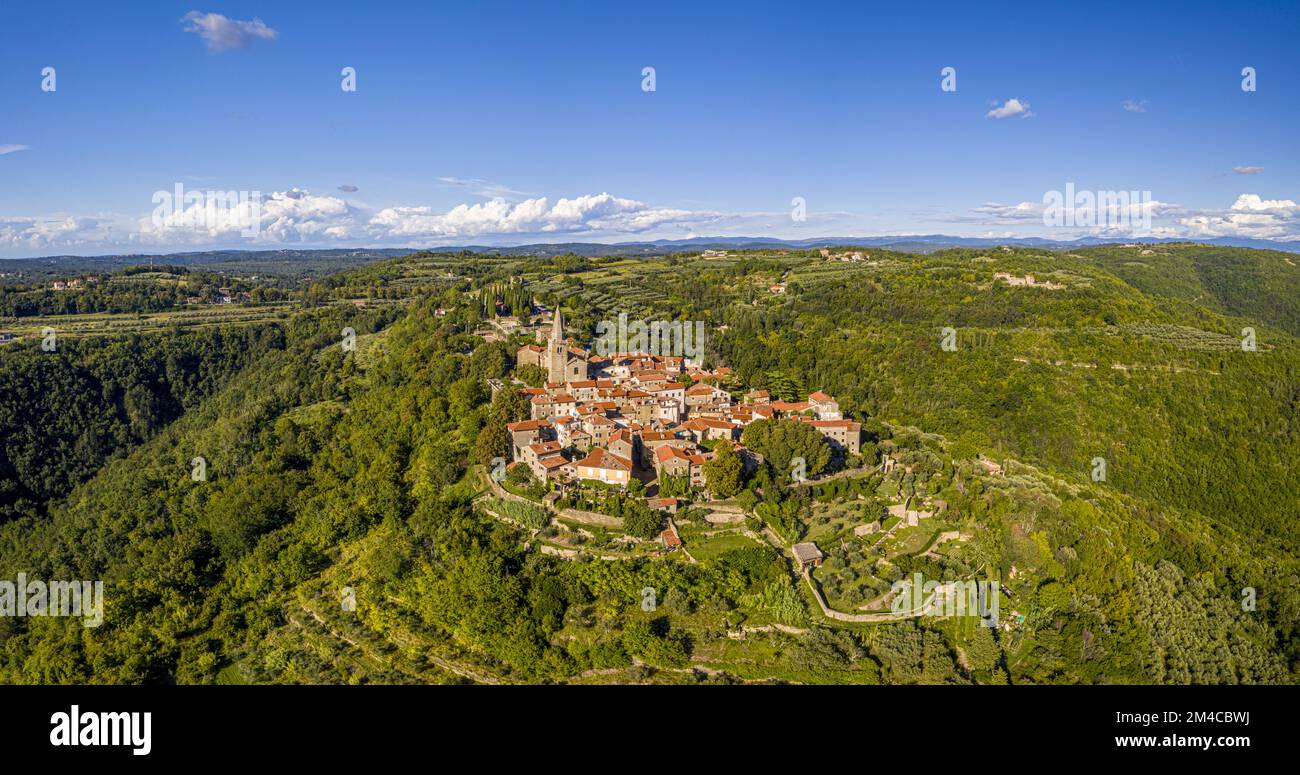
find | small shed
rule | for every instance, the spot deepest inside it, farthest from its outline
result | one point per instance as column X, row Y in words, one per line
column 668, row 505
column 807, row 555
column 670, row 539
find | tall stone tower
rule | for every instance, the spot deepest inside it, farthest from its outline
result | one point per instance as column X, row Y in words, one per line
column 557, row 350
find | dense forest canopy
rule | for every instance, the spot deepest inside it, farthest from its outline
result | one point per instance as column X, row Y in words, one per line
column 331, row 468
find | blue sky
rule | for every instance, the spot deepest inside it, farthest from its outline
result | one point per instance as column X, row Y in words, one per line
column 505, row 123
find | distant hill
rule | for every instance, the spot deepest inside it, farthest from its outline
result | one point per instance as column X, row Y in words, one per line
column 307, row 263
column 342, row 258
column 922, row 243
column 1145, row 471
column 1259, row 284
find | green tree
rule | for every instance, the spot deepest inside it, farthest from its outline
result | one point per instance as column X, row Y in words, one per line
column 493, row 442
column 641, row 521
column 724, row 474
column 781, row 441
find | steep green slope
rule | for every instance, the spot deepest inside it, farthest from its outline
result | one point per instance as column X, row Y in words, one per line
column 63, row 413
column 1263, row 285
column 332, row 471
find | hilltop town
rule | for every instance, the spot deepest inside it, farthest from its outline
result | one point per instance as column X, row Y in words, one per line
column 438, row 468
column 650, row 418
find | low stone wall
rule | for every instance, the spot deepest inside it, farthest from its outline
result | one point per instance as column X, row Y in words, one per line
column 592, row 518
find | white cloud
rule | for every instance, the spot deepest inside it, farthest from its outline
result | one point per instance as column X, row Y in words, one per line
column 223, row 34
column 1135, row 106
column 298, row 216
column 303, row 219
column 24, row 233
column 1250, row 216
column 1093, row 213
column 590, row 214
column 1023, row 211
column 1012, row 107
column 1257, row 203
column 12, row 148
column 216, row 219
column 1248, row 170
column 282, row 217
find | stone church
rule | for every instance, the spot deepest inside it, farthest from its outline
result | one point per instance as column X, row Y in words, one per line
column 562, row 363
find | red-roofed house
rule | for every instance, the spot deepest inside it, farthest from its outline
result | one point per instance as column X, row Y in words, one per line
column 530, row 355
column 827, row 408
column 669, row 538
column 604, row 466
column 524, row 433
column 704, row 429
column 624, row 444
column 671, row 461
column 667, row 505
column 842, row 434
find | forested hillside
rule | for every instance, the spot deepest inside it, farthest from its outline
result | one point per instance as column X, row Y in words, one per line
column 334, row 472
column 1262, row 285
column 63, row 413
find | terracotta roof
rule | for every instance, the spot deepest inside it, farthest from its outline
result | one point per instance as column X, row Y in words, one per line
column 527, row 425
column 600, row 457
column 701, row 423
column 658, row 436
column 666, row 453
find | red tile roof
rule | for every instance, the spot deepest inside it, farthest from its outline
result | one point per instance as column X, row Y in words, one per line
column 600, row 457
